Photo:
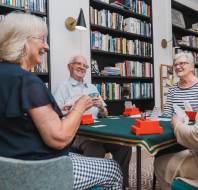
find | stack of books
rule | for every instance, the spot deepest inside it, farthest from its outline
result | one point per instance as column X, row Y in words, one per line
column 110, row 71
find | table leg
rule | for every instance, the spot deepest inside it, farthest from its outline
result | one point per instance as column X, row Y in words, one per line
column 138, row 169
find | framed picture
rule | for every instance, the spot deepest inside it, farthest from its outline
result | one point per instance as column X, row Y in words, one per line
column 178, row 19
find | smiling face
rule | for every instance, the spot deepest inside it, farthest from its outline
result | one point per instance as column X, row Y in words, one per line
column 182, row 67
column 35, row 48
column 78, row 68
column 21, row 39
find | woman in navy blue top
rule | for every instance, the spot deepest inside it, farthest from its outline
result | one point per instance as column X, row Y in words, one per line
column 31, row 124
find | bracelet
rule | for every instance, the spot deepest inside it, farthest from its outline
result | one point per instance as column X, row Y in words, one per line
column 80, row 112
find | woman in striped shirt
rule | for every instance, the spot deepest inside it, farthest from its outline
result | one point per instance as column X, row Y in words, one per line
column 186, row 89
column 182, row 164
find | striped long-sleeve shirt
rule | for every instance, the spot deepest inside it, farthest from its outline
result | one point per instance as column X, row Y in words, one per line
column 177, row 95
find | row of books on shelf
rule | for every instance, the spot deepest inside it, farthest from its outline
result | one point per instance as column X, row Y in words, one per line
column 136, row 6
column 109, row 43
column 110, row 71
column 135, row 69
column 115, row 91
column 106, row 18
column 127, row 69
column 191, row 41
column 195, row 54
column 116, row 21
column 137, row 26
column 34, row 5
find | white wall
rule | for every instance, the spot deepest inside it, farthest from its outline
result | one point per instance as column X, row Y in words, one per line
column 162, row 28
column 64, row 43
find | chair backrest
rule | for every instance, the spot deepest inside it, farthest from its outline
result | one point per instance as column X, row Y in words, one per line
column 178, row 184
column 52, row 174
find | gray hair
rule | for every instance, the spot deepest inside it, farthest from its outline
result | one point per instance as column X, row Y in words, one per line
column 74, row 58
column 15, row 29
column 188, row 56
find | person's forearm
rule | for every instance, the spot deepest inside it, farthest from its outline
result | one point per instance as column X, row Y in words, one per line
column 55, row 133
column 186, row 135
column 72, row 122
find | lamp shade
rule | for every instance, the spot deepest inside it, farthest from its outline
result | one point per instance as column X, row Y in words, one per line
column 80, row 24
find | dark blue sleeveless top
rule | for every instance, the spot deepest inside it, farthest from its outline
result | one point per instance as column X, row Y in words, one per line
column 20, row 91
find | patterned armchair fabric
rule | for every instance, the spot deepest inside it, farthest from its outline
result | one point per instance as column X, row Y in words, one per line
column 49, row 174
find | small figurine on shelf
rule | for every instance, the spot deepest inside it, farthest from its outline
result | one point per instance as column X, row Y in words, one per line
column 94, row 68
column 130, row 109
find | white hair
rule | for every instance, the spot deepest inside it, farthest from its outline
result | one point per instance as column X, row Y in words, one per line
column 74, row 58
column 15, row 29
column 188, row 56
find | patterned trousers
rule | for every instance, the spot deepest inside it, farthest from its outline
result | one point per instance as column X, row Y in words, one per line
column 90, row 172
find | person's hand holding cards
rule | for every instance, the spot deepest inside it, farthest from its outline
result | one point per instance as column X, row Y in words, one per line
column 94, row 96
column 97, row 100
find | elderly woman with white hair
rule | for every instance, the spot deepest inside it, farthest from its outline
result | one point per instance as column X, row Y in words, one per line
column 182, row 164
column 32, row 126
column 186, row 89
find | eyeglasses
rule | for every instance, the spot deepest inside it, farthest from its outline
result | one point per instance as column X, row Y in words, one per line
column 41, row 38
column 79, row 64
column 180, row 64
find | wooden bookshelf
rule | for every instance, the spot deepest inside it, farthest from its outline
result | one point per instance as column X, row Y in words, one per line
column 123, row 11
column 120, row 33
column 121, row 79
column 108, row 57
column 41, row 11
column 121, row 56
column 187, row 39
column 183, row 32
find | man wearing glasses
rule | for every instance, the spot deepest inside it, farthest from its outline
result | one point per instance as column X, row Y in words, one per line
column 68, row 92
column 73, row 88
